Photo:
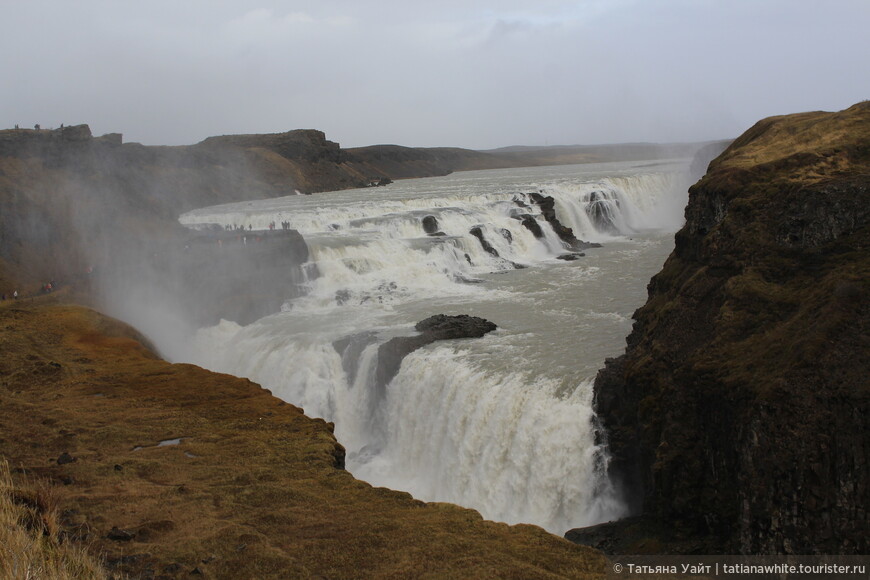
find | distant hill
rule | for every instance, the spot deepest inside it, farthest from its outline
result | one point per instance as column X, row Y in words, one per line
column 520, row 155
column 400, row 162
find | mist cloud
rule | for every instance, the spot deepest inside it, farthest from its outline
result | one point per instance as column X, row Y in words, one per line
column 474, row 74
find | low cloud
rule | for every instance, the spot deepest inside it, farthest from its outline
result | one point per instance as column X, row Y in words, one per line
column 474, row 74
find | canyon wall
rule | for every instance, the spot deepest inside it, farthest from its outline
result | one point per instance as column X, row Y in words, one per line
column 737, row 418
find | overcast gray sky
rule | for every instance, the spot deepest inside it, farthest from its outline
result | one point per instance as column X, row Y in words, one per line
column 467, row 73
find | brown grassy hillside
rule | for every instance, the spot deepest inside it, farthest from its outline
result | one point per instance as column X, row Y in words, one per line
column 253, row 489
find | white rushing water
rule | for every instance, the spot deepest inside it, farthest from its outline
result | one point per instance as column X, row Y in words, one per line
column 501, row 423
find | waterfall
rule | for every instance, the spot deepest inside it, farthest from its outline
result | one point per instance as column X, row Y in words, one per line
column 506, row 443
column 615, row 206
column 503, row 423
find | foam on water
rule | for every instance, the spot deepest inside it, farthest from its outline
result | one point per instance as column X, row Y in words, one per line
column 506, row 443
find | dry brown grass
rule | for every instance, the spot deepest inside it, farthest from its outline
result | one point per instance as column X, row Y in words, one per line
column 30, row 539
column 826, row 137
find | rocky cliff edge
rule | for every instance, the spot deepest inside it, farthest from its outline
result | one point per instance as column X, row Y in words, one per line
column 737, row 418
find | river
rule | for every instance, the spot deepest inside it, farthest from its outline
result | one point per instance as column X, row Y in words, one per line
column 503, row 423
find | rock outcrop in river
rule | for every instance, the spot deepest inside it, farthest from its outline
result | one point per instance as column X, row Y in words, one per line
column 738, row 416
column 434, row 328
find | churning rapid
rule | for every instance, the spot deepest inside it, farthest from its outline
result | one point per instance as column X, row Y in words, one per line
column 503, row 423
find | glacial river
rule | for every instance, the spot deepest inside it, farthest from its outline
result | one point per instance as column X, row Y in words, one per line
column 501, row 424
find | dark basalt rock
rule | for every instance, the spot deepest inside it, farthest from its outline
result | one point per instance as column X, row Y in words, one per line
column 338, row 456
column 570, row 257
column 520, row 202
column 430, row 224
column 531, row 224
column 566, row 234
column 443, row 327
column 477, row 232
column 506, row 234
column 548, row 210
column 438, row 327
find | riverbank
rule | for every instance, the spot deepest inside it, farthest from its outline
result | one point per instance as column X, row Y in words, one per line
column 169, row 469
